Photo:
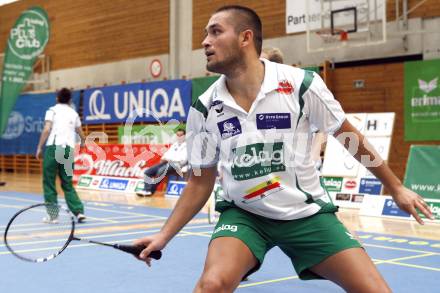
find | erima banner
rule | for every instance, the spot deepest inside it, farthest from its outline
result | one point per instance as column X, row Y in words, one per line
column 423, row 172
column 26, row 41
column 148, row 134
column 422, row 100
column 26, row 121
column 296, row 13
column 151, row 102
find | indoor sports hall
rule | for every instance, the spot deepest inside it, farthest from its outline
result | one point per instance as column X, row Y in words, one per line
column 100, row 102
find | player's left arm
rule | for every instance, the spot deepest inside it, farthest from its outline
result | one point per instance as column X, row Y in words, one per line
column 365, row 153
column 43, row 137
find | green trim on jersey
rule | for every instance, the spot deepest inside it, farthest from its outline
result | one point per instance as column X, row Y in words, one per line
column 307, row 81
column 309, row 199
column 198, row 105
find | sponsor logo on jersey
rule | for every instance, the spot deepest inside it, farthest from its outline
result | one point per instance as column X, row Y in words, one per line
column 262, row 190
column 229, row 127
column 218, row 107
column 285, row 87
column 273, row 120
column 257, row 160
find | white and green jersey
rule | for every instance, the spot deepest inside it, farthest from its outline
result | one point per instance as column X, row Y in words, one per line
column 264, row 154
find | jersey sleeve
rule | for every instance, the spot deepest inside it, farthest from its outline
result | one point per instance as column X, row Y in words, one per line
column 50, row 114
column 77, row 121
column 323, row 111
column 201, row 145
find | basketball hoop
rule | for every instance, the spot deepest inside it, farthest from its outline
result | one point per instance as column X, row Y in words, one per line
column 331, row 36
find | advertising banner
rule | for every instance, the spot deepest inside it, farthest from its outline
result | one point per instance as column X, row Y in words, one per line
column 26, row 121
column 124, row 185
column 345, row 179
column 26, row 42
column 151, row 102
column 116, row 160
column 296, row 11
column 200, row 85
column 422, row 171
column 148, row 134
column 384, row 206
column 422, row 100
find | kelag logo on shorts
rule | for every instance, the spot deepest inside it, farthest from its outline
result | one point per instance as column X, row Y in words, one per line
column 257, row 160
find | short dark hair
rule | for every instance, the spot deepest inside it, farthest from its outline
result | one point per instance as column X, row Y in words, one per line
column 246, row 19
column 181, row 130
column 64, row 96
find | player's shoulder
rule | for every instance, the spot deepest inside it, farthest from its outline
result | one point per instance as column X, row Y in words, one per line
column 204, row 102
column 292, row 72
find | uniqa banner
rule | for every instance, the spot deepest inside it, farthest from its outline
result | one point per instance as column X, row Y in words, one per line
column 26, row 121
column 151, row 102
column 422, row 100
column 26, row 42
column 423, row 172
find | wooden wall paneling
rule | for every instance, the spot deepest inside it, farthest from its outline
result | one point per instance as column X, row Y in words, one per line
column 271, row 12
column 430, row 8
column 383, row 92
column 91, row 32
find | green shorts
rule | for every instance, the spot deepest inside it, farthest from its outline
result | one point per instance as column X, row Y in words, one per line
column 306, row 241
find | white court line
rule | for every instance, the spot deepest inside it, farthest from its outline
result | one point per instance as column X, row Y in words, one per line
column 97, row 237
column 113, row 220
column 89, row 208
column 89, row 225
column 268, row 281
column 380, row 261
column 398, row 248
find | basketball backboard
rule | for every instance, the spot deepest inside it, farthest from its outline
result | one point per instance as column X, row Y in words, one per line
column 333, row 24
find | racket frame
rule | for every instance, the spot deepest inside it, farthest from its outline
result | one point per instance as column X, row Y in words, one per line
column 41, row 259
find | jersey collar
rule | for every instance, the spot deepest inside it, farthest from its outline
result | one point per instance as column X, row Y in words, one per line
column 270, row 83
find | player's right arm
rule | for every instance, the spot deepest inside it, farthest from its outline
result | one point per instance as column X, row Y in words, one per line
column 203, row 157
column 193, row 198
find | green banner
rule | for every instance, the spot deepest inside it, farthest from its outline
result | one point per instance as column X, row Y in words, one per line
column 423, row 172
column 149, row 134
column 422, row 100
column 26, row 42
column 201, row 84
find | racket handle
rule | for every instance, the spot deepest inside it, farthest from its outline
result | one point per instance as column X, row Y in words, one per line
column 136, row 250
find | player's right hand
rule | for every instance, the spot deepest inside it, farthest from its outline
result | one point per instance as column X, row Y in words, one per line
column 151, row 243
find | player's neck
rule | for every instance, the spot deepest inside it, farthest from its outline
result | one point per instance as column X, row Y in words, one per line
column 245, row 82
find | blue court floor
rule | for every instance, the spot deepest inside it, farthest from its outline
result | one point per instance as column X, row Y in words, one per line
column 408, row 264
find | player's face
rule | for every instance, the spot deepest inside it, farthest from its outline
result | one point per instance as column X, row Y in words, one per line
column 180, row 136
column 221, row 44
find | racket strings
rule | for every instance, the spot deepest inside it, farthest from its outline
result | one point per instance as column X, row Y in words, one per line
column 39, row 233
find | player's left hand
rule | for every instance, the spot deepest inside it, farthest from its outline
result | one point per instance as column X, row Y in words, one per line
column 38, row 154
column 410, row 202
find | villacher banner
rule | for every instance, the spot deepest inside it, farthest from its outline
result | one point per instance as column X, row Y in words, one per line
column 117, row 160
